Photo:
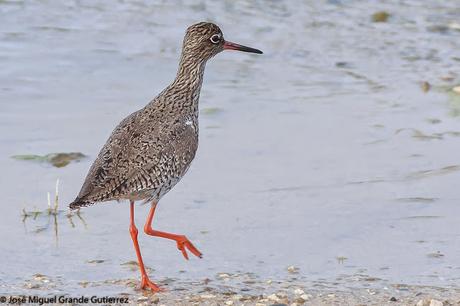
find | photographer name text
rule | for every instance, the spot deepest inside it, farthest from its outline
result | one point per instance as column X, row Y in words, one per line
column 40, row 300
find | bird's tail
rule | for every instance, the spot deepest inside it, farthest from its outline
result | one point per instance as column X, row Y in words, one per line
column 78, row 203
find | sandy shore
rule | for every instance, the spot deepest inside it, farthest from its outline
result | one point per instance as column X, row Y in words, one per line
column 248, row 289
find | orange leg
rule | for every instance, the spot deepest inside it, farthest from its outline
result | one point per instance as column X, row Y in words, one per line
column 182, row 242
column 145, row 281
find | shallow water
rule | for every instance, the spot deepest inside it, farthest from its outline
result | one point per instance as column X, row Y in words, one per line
column 324, row 153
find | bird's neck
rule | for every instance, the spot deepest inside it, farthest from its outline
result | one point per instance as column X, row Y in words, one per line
column 188, row 81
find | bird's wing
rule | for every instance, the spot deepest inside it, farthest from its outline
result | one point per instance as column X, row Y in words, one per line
column 137, row 155
column 111, row 167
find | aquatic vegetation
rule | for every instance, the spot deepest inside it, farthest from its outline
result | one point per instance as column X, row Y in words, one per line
column 58, row 160
column 52, row 214
column 341, row 259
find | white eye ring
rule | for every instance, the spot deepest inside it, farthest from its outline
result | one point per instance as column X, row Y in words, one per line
column 215, row 39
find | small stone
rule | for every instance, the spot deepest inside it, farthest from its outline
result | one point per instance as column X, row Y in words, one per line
column 437, row 254
column 436, row 303
column 207, row 296
column 95, row 261
column 229, row 303
column 425, row 86
column 299, row 291
column 456, row 89
column 434, row 120
column 84, row 284
column 237, row 297
column 423, row 303
column 155, row 299
column 454, row 26
column 393, row 299
column 299, row 301
column 281, row 295
column 306, row 297
column 41, row 278
column 269, row 282
column 273, row 297
column 438, row 28
column 32, row 286
column 223, row 275
column 142, row 299
column 292, row 269
column 448, row 78
column 381, row 16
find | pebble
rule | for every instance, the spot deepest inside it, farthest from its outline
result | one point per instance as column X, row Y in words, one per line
column 299, row 301
column 292, row 269
column 207, row 296
column 448, row 78
column 381, row 16
column 426, row 86
column 454, row 26
column 299, row 291
column 273, row 297
column 428, row 302
column 155, row 299
column 223, row 275
column 237, row 296
column 456, row 89
column 229, row 303
column 281, row 295
column 41, row 278
column 306, row 297
column 436, row 303
column 32, row 286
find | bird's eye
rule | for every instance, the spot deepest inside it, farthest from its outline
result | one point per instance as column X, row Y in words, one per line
column 215, row 39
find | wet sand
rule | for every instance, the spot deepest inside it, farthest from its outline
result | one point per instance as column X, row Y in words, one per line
column 248, row 289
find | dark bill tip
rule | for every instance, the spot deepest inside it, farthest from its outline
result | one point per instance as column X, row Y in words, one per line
column 232, row 46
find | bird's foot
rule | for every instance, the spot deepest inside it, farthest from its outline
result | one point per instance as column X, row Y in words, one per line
column 146, row 283
column 183, row 244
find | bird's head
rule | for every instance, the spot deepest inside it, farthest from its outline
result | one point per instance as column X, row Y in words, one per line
column 204, row 40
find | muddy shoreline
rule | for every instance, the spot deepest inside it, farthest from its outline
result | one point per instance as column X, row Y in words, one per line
column 239, row 289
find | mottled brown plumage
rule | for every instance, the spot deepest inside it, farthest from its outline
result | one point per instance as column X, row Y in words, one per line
column 151, row 149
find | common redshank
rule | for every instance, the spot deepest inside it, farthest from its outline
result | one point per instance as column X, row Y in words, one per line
column 151, row 149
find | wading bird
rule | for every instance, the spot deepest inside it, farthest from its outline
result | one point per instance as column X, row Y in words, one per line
column 151, row 149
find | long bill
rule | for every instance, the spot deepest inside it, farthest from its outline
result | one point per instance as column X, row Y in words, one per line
column 232, row 46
